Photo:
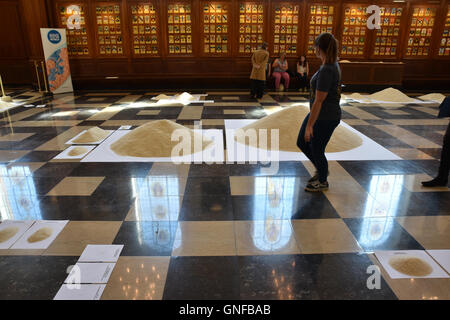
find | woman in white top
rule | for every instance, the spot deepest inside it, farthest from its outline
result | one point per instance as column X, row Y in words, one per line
column 302, row 73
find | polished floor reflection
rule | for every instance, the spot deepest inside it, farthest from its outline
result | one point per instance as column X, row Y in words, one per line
column 221, row 231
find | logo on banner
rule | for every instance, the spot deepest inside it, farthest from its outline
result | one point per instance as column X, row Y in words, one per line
column 54, row 37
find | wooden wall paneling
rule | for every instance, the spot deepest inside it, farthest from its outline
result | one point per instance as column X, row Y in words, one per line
column 177, row 12
column 144, row 28
column 284, row 29
column 420, row 12
column 215, row 28
column 79, row 42
column 388, row 38
column 442, row 46
column 312, row 25
column 353, row 27
column 111, row 38
column 252, row 31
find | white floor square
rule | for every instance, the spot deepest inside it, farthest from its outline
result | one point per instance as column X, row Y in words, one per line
column 369, row 150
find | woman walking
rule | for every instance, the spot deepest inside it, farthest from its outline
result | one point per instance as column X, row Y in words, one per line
column 280, row 67
column 302, row 73
column 325, row 113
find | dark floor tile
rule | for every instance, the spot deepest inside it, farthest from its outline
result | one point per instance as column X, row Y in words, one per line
column 308, row 277
column 117, row 190
column 32, row 277
column 208, row 186
column 381, row 234
column 434, row 152
column 56, row 169
column 119, row 169
column 200, row 278
column 39, row 156
column 429, row 167
column 81, row 209
column 206, row 208
column 147, row 238
column 377, row 167
column 92, row 123
column 209, row 170
column 284, row 168
column 302, row 206
column 43, row 185
column 430, row 203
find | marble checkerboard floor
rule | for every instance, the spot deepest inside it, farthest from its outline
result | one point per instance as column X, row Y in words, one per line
column 218, row 231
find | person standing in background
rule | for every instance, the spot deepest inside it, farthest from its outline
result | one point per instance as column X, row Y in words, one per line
column 444, row 166
column 280, row 67
column 258, row 75
column 302, row 73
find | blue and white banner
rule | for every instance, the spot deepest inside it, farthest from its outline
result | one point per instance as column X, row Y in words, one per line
column 54, row 42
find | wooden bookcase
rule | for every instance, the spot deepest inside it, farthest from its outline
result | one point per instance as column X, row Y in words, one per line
column 321, row 17
column 78, row 29
column 444, row 43
column 144, row 28
column 109, row 29
column 180, row 28
column 252, row 15
column 285, row 28
column 387, row 40
column 215, row 29
column 421, row 26
column 213, row 39
column 354, row 32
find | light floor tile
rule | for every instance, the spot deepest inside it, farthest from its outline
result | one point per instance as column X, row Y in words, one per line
column 407, row 136
column 352, row 205
column 232, row 104
column 21, row 252
column 149, row 112
column 242, row 186
column 106, row 114
column 47, row 123
column 272, row 109
column 78, row 234
column 432, row 111
column 169, row 169
column 416, row 289
column 213, row 122
column 129, row 99
column 15, row 137
column 356, row 122
column 412, row 182
column 432, row 232
column 198, row 238
column 11, row 155
column 361, row 114
column 419, row 122
column 25, row 114
column 265, row 237
column 230, row 98
column 137, row 278
column 324, row 236
column 76, row 186
column 59, row 142
column 24, row 168
column 65, row 114
column 410, row 154
column 191, row 113
column 233, row 111
column 112, row 123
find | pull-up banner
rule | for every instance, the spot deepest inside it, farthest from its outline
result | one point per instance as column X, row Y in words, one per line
column 54, row 42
